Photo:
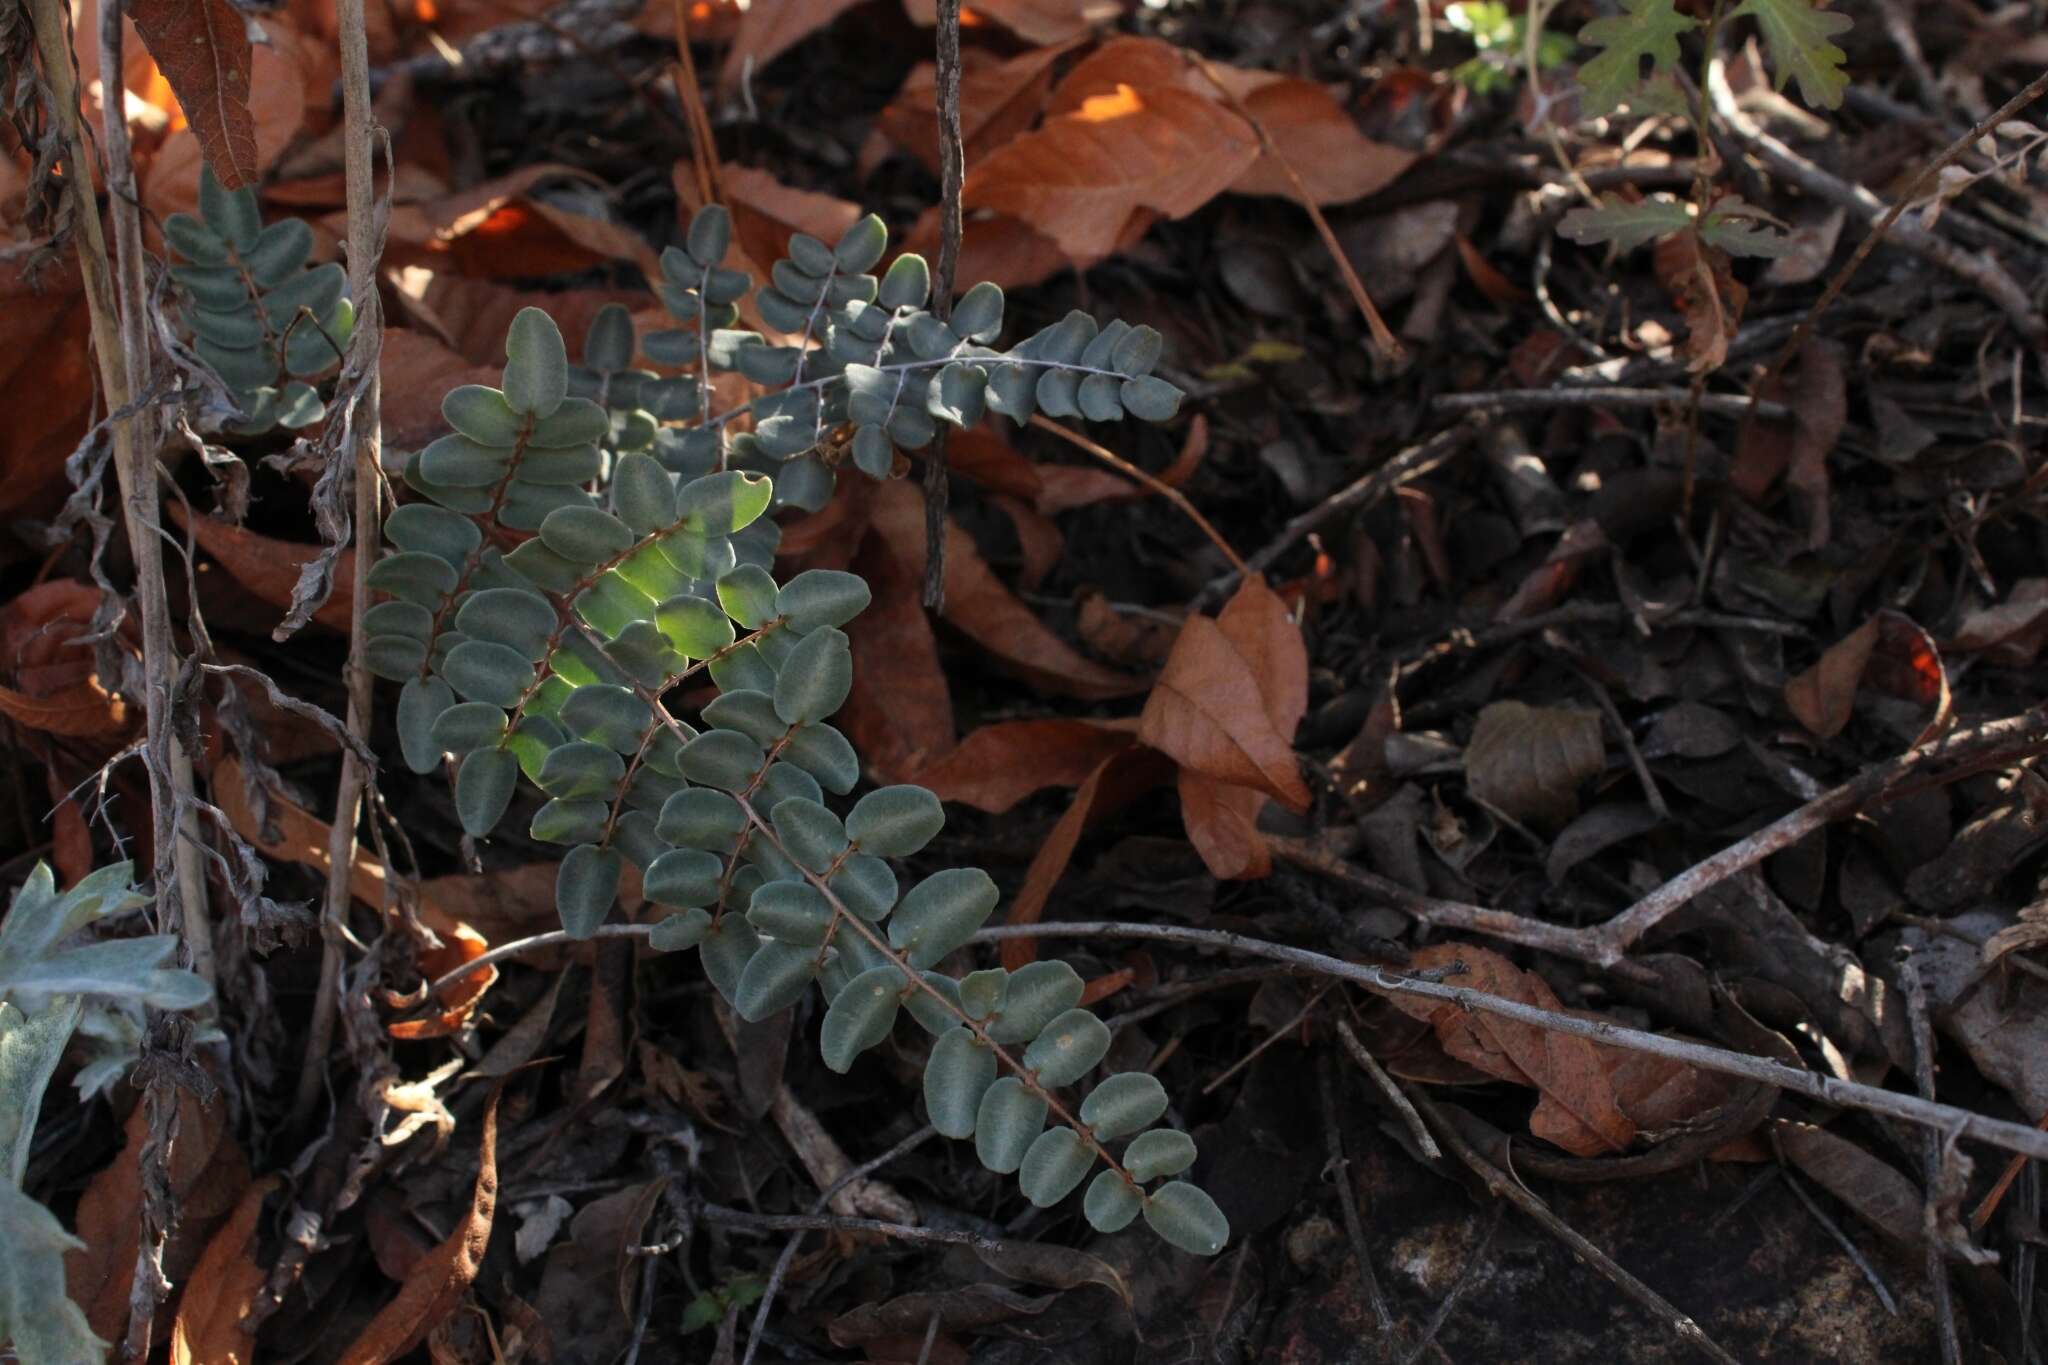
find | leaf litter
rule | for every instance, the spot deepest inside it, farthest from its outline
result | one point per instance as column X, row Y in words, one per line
column 1475, row 680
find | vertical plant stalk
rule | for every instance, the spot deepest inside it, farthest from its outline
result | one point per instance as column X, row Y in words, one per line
column 179, row 908
column 952, row 175
column 124, row 206
column 365, row 347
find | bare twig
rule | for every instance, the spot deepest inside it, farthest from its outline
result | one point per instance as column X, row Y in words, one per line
column 1995, row 744
column 2012, row 1137
column 831, row 1222
column 1545, row 400
column 952, row 176
column 1979, row 269
column 1405, row 467
column 1131, row 471
column 1932, row 1161
column 1370, row 1065
column 782, row 1262
column 1834, row 1230
column 1377, row 325
column 1347, row 1200
column 1504, row 1186
column 364, row 347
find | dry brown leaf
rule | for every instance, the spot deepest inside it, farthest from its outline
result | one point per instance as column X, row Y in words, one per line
column 1823, row 697
column 1115, row 783
column 267, row 568
column 46, row 376
column 459, row 944
column 472, row 316
column 1699, row 281
column 438, row 1283
column 504, row 229
column 998, row 248
column 765, row 212
column 57, row 691
column 1577, row 1110
column 999, row 765
column 1309, row 128
column 1083, row 177
column 2013, row 631
column 202, row 48
column 1528, row 761
column 981, row 607
column 417, row 370
column 1037, row 21
column 1133, row 639
column 1816, row 392
column 223, row 1288
column 900, row 713
column 284, row 73
column 768, row 30
column 207, row 1174
column 999, row 99
column 1226, row 685
column 1222, row 817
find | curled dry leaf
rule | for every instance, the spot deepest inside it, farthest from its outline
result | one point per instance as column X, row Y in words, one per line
column 438, row 1283
column 454, row 1005
column 900, row 713
column 1219, row 809
column 998, row 765
column 2011, row 632
column 223, row 1288
column 1890, row 653
column 1528, row 761
column 202, row 48
column 282, row 71
column 267, row 568
column 1577, row 1110
column 1227, row 688
column 56, row 691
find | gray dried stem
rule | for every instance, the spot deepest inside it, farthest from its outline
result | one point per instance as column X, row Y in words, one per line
column 364, row 426
column 180, row 884
column 952, row 178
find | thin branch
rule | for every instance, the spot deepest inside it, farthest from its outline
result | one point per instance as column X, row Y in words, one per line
column 1979, row 269
column 1130, row 471
column 363, row 424
column 1505, row 1186
column 1933, row 1162
column 952, row 178
column 829, row 1222
column 2012, row 1137
column 1382, row 337
column 1405, row 467
column 1370, row 1065
column 1347, row 1201
column 1547, row 400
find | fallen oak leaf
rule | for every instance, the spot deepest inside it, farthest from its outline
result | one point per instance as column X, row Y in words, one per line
column 1083, row 177
column 999, row 99
column 222, row 1289
column 202, row 49
column 46, row 376
column 1225, row 685
column 1035, row 21
column 1528, row 761
column 438, row 1283
column 998, row 765
column 1577, row 1109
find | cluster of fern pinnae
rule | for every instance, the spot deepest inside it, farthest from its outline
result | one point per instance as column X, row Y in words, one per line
column 650, row 566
